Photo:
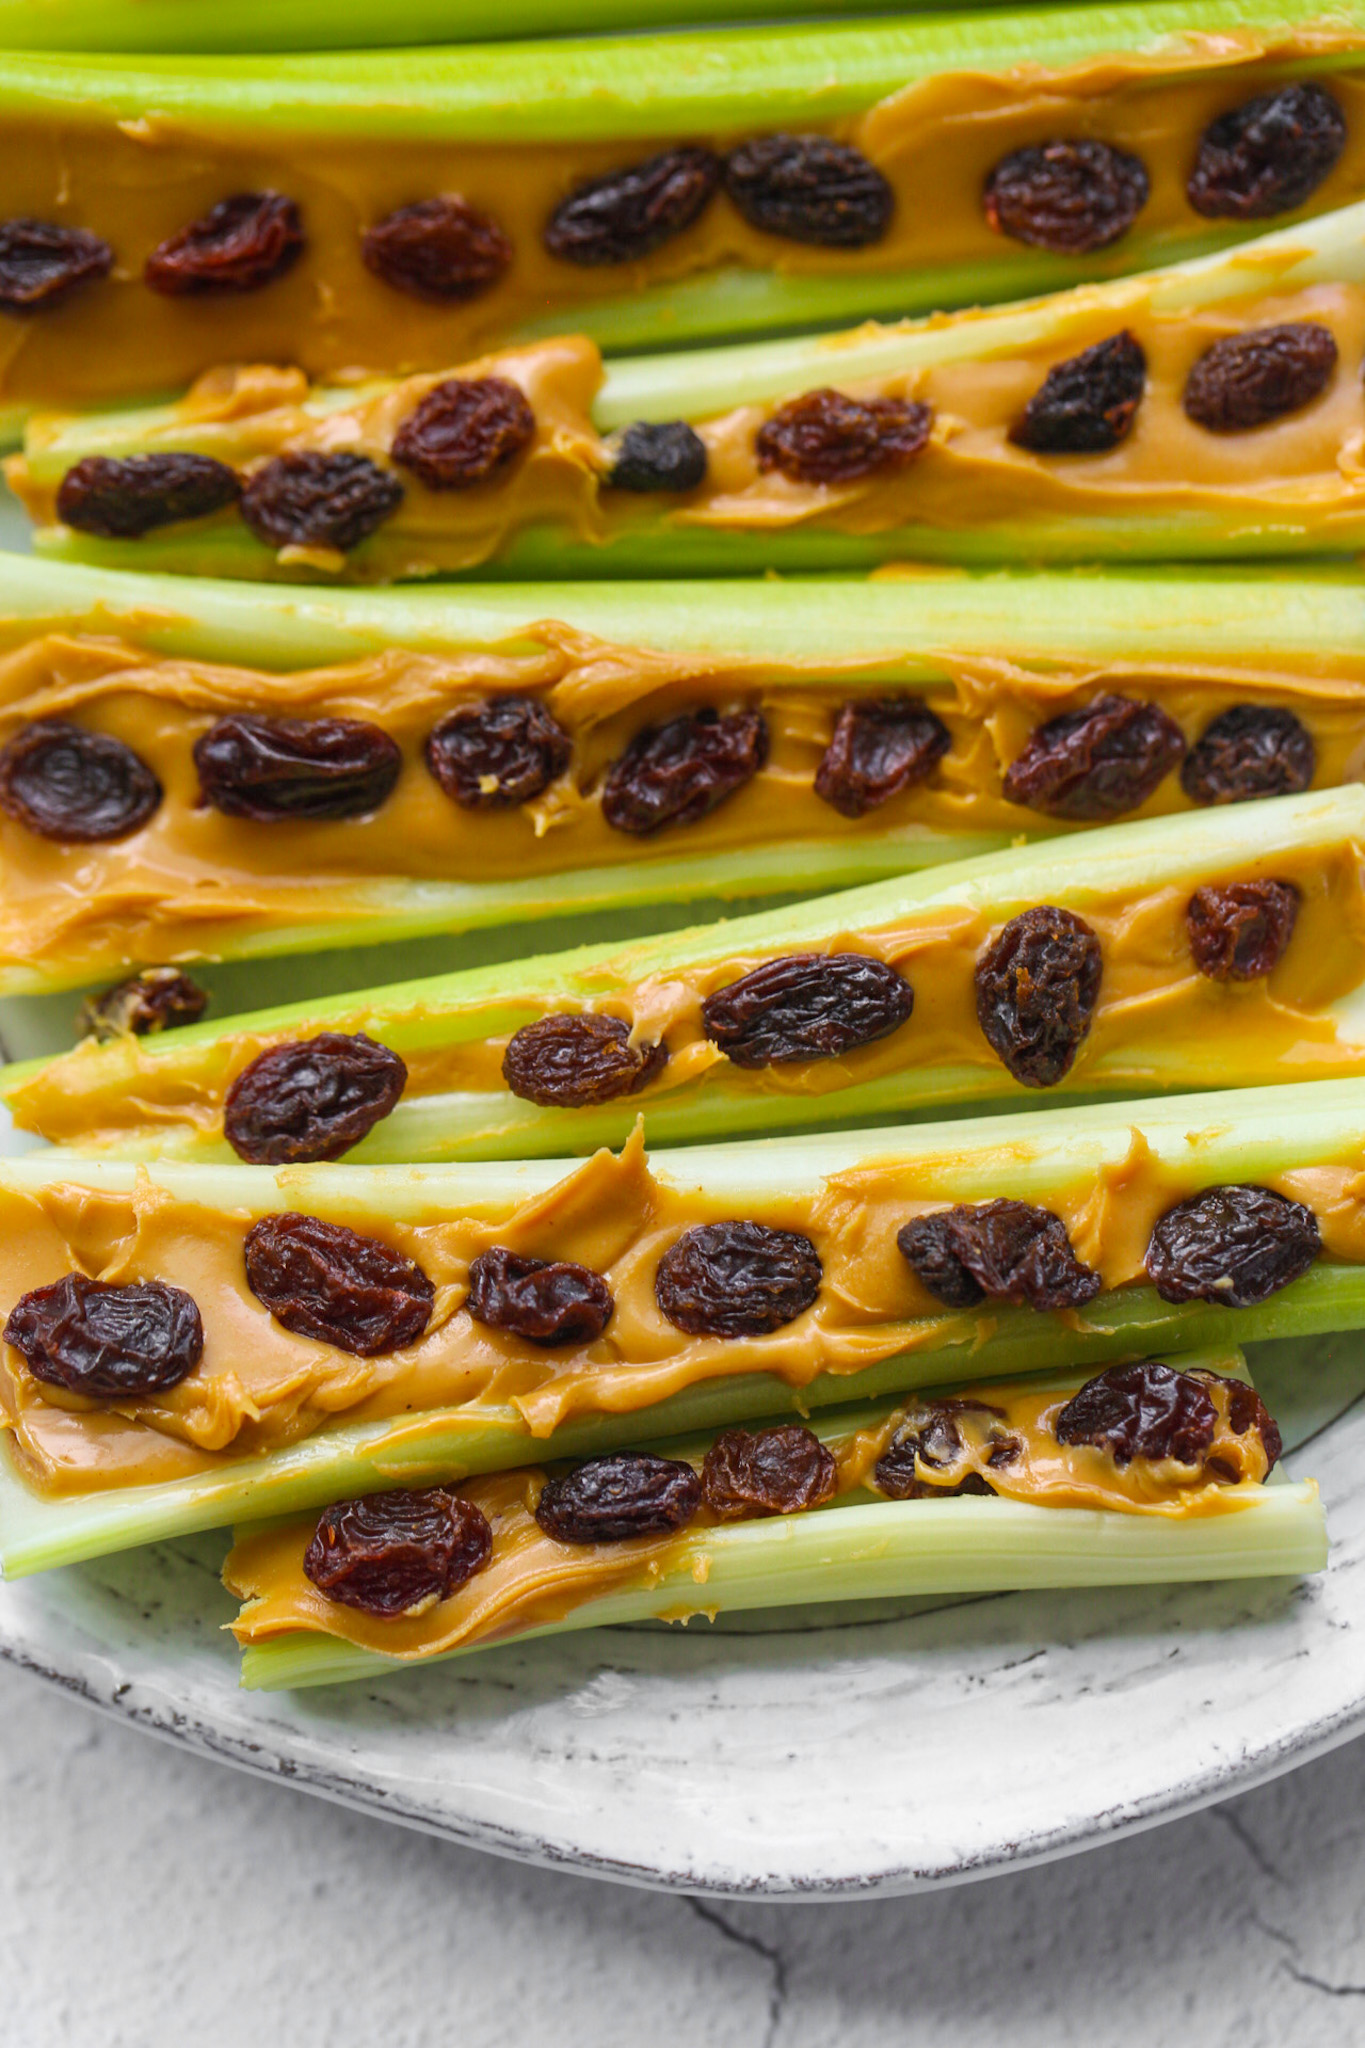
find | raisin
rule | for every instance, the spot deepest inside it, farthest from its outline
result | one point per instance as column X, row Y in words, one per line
column 1248, row 380
column 568, row 1062
column 1036, row 989
column 782, row 1471
column 123, row 498
column 546, row 1301
column 269, row 769
column 41, row 265
column 312, row 1100
column 1267, row 156
column 392, row 1553
column 1086, row 405
column 659, row 455
column 824, row 437
column 466, row 431
column 497, row 754
column 1098, row 762
column 930, row 1436
column 1071, row 196
column 1247, row 1414
column 612, row 1499
column 310, row 500
column 1239, row 930
column 75, row 786
column 1233, row 1246
column 111, row 1343
column 880, row 747
column 239, row 245
column 1144, row 1410
column 322, row 1280
column 807, row 1006
column 809, row 189
column 628, row 214
column 441, row 250
column 1249, row 751
column 678, row 773
column 997, row 1251
column 158, row 999
column 737, row 1279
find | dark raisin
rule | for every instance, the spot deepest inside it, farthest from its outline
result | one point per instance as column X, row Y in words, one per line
column 546, row 1301
column 881, row 747
column 497, row 754
column 1036, row 989
column 312, row 1100
column 567, row 1062
column 824, row 437
column 111, row 1343
column 1249, row 751
column 322, row 1280
column 1248, row 380
column 997, row 1251
column 1144, row 1410
column 158, row 999
column 310, row 500
column 1233, row 1246
column 611, row 1499
column 239, row 245
column 466, row 431
column 441, row 250
column 1239, row 930
column 930, row 1436
column 678, row 773
column 41, row 265
column 807, row 1006
column 628, row 214
column 659, row 455
column 1247, row 1414
column 269, row 769
column 782, row 1471
column 78, row 787
column 737, row 1279
column 1070, row 196
column 1086, row 405
column 123, row 498
column 391, row 1553
column 809, row 189
column 1267, row 156
column 1098, row 762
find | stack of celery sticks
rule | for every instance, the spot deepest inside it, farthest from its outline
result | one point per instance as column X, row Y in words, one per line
column 564, row 768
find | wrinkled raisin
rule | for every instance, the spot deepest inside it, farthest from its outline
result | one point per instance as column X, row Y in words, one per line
column 41, row 265
column 1144, row 1410
column 676, row 774
column 392, row 1553
column 880, row 748
column 466, row 431
column 611, row 1499
column 824, row 437
column 997, row 1251
column 312, row 1100
column 809, row 189
column 497, row 754
column 1233, row 1246
column 1085, row 405
column 1036, row 989
column 546, row 1301
column 123, row 498
column 75, row 786
column 659, row 455
column 322, row 1280
column 111, row 1343
column 782, row 1471
column 158, row 999
column 807, row 1006
column 239, row 245
column 567, row 1062
column 1239, row 930
column 737, row 1279
column 1248, row 380
column 1249, row 751
column 1098, row 762
column 1247, row 1414
column 1070, row 196
column 310, row 500
column 628, row 214
column 930, row 1436
column 269, row 769
column 441, row 250
column 1267, row 156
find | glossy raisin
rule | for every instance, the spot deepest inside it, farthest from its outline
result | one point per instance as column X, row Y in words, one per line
column 568, row 1061
column 678, row 773
column 322, row 1280
column 41, row 265
column 1251, row 750
column 1267, row 156
column 737, row 1279
column 78, row 787
column 930, row 1436
column 312, row 1100
column 112, row 1343
column 1098, row 762
column 1036, row 989
column 441, row 250
column 497, row 754
column 239, row 245
column 465, row 431
column 1071, row 196
column 158, row 999
column 1144, row 1410
column 1248, row 380
column 611, row 1499
column 807, row 1006
column 1239, row 930
column 659, row 455
column 824, row 437
column 269, row 769
column 1233, row 1246
column 881, row 747
column 121, row 498
column 782, row 1471
column 310, row 500
column 807, row 188
column 629, row 213
column 1086, row 405
column 389, row 1554
column 1247, row 1414
column 546, row 1301
column 997, row 1251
